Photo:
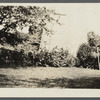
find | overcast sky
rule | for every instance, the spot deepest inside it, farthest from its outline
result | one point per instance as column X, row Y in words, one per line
column 79, row 20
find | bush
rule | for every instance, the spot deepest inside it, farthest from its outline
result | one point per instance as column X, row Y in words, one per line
column 86, row 59
column 55, row 58
column 13, row 58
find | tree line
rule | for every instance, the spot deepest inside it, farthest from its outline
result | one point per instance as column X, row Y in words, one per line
column 20, row 49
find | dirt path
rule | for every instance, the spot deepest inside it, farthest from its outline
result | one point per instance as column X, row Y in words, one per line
column 49, row 77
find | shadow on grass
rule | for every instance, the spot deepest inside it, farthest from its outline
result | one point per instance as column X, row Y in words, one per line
column 11, row 82
column 6, row 81
column 93, row 82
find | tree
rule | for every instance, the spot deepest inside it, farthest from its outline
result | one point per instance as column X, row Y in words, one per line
column 92, row 39
column 84, row 54
column 14, row 18
column 17, row 47
column 94, row 43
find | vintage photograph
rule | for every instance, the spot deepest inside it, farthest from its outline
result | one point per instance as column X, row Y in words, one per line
column 50, row 46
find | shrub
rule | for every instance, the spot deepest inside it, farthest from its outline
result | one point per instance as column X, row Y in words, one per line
column 55, row 58
column 13, row 58
column 86, row 59
column 59, row 57
column 41, row 58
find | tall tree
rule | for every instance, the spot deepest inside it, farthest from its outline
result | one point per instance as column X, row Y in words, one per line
column 14, row 18
column 93, row 39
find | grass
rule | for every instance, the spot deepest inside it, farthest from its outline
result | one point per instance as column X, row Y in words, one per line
column 49, row 77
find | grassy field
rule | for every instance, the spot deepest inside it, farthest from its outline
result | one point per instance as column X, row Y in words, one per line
column 49, row 77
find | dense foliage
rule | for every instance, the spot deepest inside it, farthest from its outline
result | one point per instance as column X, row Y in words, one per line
column 54, row 58
column 13, row 19
column 86, row 56
column 16, row 47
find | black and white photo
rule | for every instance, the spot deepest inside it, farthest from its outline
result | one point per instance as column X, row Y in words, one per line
column 50, row 46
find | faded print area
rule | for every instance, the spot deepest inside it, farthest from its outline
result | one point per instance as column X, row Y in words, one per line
column 48, row 46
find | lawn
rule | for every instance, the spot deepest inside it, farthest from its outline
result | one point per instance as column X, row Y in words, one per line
column 49, row 77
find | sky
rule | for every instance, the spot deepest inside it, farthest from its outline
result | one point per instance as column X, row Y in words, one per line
column 79, row 20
